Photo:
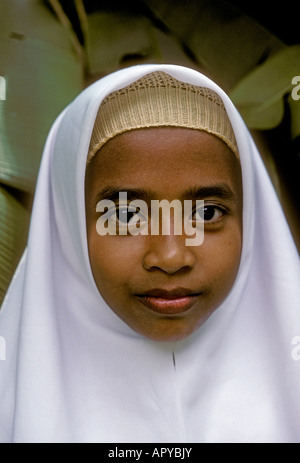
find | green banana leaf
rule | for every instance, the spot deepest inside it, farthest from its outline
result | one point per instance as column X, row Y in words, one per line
column 13, row 224
column 39, row 75
column 42, row 76
column 259, row 95
column 113, row 35
column 295, row 116
column 226, row 43
column 115, row 39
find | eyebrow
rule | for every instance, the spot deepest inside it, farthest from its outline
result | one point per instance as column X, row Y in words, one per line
column 112, row 193
column 220, row 190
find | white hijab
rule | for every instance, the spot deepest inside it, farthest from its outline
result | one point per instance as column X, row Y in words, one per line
column 74, row 372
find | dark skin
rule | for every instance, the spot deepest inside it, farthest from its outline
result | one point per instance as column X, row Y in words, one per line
column 167, row 163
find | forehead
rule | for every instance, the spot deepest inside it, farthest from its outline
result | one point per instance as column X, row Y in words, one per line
column 165, row 158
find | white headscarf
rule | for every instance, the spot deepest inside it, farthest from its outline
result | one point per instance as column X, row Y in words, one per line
column 74, row 372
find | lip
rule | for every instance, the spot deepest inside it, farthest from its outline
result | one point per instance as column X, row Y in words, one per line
column 169, row 302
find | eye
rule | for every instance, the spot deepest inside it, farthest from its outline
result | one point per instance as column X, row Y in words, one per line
column 129, row 215
column 209, row 213
column 125, row 214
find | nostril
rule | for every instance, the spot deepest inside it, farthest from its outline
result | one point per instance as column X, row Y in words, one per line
column 169, row 271
column 169, row 260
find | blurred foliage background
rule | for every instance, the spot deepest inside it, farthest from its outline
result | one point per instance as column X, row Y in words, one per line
column 51, row 49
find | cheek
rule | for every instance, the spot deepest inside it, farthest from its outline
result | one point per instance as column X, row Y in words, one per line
column 113, row 261
column 103, row 260
column 222, row 255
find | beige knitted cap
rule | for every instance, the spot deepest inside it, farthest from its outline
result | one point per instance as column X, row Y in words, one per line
column 156, row 100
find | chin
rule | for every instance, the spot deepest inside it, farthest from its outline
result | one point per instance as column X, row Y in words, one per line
column 173, row 330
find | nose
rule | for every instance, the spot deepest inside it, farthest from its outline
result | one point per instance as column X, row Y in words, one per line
column 169, row 254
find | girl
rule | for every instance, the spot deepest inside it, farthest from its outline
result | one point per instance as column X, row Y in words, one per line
column 126, row 335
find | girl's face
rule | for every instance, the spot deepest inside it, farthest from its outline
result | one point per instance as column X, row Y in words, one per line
column 159, row 286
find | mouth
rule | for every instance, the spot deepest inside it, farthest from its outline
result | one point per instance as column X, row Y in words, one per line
column 176, row 301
